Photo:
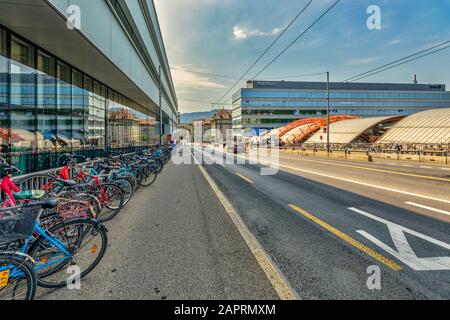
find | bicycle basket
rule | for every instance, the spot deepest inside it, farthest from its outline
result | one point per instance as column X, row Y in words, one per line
column 17, row 223
column 70, row 209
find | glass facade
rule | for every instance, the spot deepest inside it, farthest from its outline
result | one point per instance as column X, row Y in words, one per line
column 48, row 107
column 270, row 105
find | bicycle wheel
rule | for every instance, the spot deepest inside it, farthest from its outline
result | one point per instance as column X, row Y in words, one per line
column 86, row 242
column 113, row 203
column 150, row 177
column 159, row 165
column 126, row 187
column 17, row 277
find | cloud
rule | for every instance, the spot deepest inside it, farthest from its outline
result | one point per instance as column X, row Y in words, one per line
column 241, row 33
column 362, row 61
column 395, row 41
column 185, row 77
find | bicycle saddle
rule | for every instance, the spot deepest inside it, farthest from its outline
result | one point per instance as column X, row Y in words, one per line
column 67, row 183
column 46, row 204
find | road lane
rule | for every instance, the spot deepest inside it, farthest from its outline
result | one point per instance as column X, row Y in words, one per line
column 310, row 249
column 381, row 186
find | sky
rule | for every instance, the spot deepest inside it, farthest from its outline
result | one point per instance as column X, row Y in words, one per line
column 206, row 38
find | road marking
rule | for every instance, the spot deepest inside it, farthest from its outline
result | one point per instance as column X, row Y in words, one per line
column 374, row 169
column 445, row 168
column 426, row 167
column 353, row 181
column 244, row 178
column 428, row 208
column 386, row 261
column 404, row 251
column 273, row 273
column 364, row 184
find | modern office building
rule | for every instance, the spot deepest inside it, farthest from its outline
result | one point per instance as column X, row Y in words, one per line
column 79, row 76
column 273, row 104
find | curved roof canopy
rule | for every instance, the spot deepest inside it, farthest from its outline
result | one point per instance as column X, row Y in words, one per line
column 346, row 131
column 300, row 130
column 427, row 127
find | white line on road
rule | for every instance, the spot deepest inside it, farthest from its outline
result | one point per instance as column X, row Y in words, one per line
column 273, row 273
column 351, row 181
column 403, row 251
column 428, row 208
column 360, row 183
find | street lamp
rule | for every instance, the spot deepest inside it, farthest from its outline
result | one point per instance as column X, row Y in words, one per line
column 328, row 112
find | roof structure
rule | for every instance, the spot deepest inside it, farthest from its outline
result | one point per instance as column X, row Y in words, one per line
column 346, row 131
column 298, row 131
column 222, row 114
column 427, row 127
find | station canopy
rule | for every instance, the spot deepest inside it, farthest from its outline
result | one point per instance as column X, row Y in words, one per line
column 347, row 131
column 427, row 127
column 300, row 130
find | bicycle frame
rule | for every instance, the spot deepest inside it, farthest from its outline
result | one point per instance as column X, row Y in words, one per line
column 95, row 181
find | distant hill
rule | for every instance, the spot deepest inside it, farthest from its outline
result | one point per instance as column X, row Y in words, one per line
column 190, row 117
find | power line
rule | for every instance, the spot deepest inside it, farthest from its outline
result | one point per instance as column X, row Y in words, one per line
column 267, row 49
column 401, row 63
column 301, row 35
column 362, row 75
column 206, row 73
column 236, row 78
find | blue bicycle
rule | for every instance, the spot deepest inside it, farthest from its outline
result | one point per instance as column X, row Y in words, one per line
column 56, row 249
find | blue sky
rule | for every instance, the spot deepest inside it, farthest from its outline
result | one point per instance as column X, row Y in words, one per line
column 226, row 36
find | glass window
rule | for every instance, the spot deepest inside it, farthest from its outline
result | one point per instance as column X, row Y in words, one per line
column 23, row 99
column 96, row 113
column 3, row 68
column 64, row 102
column 79, row 117
column 46, row 102
column 4, row 113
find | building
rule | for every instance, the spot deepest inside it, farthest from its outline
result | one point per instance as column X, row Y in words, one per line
column 83, row 85
column 201, row 130
column 273, row 104
column 221, row 122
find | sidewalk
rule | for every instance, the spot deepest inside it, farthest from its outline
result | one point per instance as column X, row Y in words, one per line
column 174, row 240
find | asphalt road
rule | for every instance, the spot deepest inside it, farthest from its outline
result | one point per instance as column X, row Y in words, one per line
column 174, row 240
column 325, row 222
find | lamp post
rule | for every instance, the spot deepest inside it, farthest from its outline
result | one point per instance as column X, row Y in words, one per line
column 160, row 109
column 328, row 112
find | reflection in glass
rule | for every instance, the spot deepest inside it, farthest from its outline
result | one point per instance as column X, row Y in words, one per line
column 46, row 102
column 4, row 114
column 23, row 101
column 64, row 100
column 79, row 117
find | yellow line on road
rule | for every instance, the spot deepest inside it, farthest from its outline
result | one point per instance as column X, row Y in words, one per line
column 272, row 272
column 371, row 169
column 386, row 261
column 245, row 178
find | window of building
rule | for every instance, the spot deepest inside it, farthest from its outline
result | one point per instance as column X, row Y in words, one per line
column 23, row 99
column 64, row 106
column 46, row 102
column 4, row 113
column 3, row 68
column 79, row 117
